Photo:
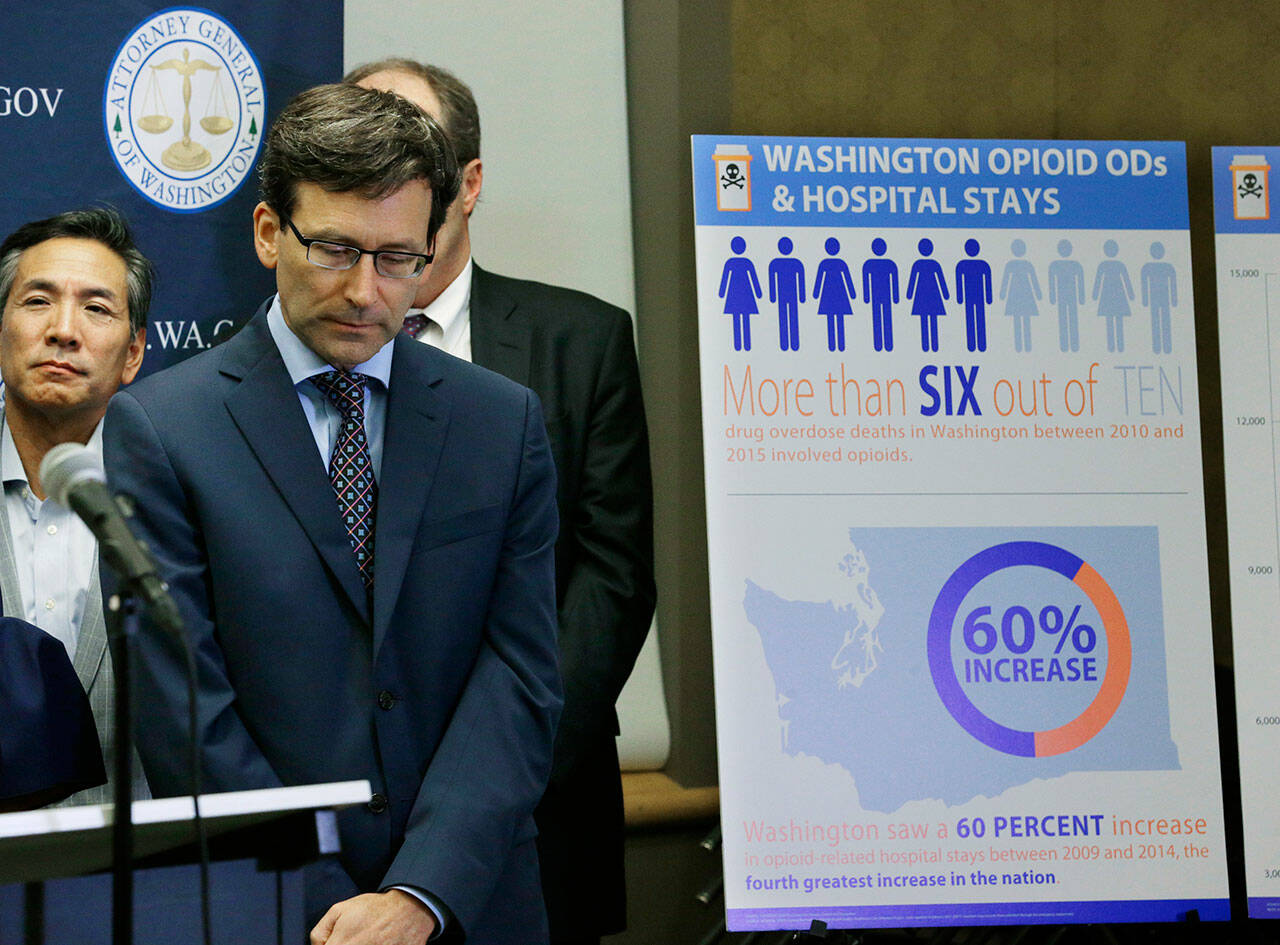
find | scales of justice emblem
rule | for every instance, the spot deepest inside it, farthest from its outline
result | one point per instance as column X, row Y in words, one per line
column 183, row 104
column 185, row 154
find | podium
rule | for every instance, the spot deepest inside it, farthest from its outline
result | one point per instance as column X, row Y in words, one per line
column 258, row 843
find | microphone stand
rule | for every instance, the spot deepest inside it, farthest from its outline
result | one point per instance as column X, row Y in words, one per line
column 75, row 478
column 122, row 620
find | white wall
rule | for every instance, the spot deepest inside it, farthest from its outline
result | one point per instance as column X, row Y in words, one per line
column 550, row 83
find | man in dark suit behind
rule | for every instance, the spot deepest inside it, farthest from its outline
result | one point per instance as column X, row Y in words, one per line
column 359, row 532
column 577, row 354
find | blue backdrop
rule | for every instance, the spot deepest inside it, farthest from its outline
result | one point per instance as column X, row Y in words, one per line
column 159, row 110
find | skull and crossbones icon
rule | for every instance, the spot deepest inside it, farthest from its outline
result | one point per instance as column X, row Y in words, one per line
column 732, row 177
column 1249, row 186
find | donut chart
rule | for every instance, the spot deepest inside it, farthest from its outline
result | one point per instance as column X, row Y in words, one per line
column 1026, row 743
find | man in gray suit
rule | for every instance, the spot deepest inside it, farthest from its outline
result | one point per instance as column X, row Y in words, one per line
column 74, row 292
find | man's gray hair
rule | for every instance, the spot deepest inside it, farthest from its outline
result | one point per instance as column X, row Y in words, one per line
column 459, row 115
column 347, row 139
column 104, row 225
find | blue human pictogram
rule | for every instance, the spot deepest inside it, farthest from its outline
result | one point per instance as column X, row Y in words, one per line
column 786, row 288
column 1160, row 294
column 1020, row 289
column 739, row 287
column 834, row 291
column 880, row 290
column 973, row 290
column 1113, row 291
column 1066, row 290
column 927, row 288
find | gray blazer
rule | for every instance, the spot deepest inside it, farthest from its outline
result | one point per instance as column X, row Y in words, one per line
column 92, row 663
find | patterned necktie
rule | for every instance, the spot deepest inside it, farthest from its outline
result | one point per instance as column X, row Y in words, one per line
column 350, row 466
column 416, row 324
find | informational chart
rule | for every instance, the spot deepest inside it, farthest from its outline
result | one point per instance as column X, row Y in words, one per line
column 1019, row 627
column 964, row 672
column 1248, row 254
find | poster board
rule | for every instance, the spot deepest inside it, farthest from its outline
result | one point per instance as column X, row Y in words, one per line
column 955, row 510
column 1248, row 263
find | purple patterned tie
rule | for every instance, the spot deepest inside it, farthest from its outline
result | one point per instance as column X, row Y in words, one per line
column 415, row 324
column 350, row 466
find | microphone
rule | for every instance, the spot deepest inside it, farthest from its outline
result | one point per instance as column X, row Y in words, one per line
column 73, row 476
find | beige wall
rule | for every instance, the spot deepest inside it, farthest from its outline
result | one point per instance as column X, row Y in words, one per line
column 1202, row 71
column 548, row 81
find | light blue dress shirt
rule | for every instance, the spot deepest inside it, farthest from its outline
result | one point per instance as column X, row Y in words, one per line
column 53, row 550
column 322, row 416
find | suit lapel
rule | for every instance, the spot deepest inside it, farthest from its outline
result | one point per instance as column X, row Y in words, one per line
column 92, row 640
column 417, row 419
column 500, row 337
column 264, row 406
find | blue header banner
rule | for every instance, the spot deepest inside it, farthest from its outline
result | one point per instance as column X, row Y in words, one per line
column 1242, row 189
column 899, row 182
column 160, row 111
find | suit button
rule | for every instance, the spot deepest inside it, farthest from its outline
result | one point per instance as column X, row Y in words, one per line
column 378, row 803
column 385, row 699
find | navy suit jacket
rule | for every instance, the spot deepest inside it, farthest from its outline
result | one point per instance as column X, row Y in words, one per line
column 440, row 688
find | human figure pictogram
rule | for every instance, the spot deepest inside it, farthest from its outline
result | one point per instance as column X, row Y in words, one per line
column 740, row 287
column 834, row 291
column 786, row 288
column 1020, row 290
column 973, row 290
column 1066, row 290
column 1113, row 292
column 1160, row 294
column 927, row 288
column 880, row 291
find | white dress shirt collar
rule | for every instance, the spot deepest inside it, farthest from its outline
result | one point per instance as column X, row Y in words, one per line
column 451, row 310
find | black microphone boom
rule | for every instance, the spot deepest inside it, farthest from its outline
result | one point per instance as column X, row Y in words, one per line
column 72, row 475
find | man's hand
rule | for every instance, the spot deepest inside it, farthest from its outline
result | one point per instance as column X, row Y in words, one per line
column 389, row 918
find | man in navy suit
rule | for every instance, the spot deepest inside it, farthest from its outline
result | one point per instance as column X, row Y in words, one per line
column 359, row 532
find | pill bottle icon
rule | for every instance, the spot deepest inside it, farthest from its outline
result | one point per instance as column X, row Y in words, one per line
column 1251, row 195
column 733, row 177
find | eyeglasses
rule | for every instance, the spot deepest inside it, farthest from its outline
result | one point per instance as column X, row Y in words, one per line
column 388, row 262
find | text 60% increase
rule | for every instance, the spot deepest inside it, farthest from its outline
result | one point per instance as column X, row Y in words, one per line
column 1018, row 630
